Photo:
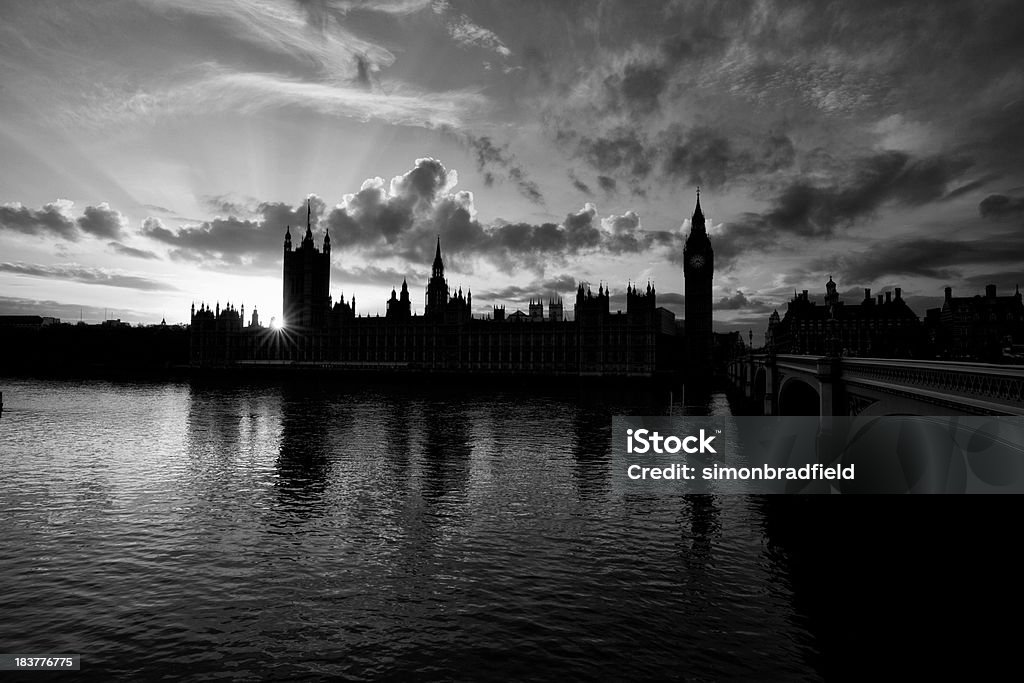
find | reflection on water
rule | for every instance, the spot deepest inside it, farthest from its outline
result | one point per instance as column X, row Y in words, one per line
column 309, row 530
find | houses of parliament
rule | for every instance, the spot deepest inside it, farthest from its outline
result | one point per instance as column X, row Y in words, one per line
column 642, row 341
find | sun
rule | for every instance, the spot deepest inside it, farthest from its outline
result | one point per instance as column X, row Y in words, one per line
column 277, row 324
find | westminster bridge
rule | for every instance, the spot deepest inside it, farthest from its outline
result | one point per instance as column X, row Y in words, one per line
column 821, row 385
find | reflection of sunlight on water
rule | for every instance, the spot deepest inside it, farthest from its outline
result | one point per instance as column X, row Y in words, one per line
column 443, row 526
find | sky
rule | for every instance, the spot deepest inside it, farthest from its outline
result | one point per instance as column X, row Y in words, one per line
column 153, row 151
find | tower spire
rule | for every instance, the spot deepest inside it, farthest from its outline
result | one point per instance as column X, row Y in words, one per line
column 309, row 230
column 697, row 222
column 438, row 269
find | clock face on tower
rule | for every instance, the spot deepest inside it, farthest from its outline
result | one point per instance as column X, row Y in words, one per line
column 697, row 261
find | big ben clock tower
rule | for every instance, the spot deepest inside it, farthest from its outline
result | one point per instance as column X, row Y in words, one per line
column 698, row 269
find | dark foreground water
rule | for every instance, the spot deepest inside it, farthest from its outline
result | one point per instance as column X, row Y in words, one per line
column 300, row 532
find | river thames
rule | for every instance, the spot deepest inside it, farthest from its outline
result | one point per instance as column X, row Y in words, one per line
column 305, row 531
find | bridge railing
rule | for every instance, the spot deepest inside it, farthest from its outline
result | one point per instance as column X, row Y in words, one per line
column 1001, row 383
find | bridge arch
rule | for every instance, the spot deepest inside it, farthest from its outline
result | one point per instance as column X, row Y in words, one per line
column 798, row 397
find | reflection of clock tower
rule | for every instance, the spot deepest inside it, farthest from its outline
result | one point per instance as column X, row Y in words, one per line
column 698, row 268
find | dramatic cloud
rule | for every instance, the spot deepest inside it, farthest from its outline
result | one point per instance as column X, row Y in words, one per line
column 468, row 34
column 402, row 218
column 491, row 159
column 54, row 219
column 806, row 209
column 728, row 303
column 213, row 88
column 544, row 288
column 132, row 251
column 999, row 205
column 932, row 258
column 609, row 185
column 86, row 275
column 621, row 150
column 703, row 156
column 373, row 275
column 579, row 184
column 102, row 221
column 229, row 205
column 232, row 241
column 741, row 302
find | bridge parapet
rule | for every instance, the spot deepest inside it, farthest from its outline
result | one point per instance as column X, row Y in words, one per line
column 1003, row 384
column 968, row 388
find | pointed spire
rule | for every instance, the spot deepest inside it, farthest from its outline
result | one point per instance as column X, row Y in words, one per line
column 697, row 211
column 438, row 269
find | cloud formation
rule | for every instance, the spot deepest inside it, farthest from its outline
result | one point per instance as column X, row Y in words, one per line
column 102, row 221
column 400, row 219
column 999, row 206
column 57, row 219
column 53, row 219
column 230, row 241
column 939, row 259
column 492, row 160
column 125, row 250
column 403, row 216
column 88, row 275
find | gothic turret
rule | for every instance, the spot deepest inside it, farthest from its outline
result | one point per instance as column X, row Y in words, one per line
column 438, row 267
column 437, row 287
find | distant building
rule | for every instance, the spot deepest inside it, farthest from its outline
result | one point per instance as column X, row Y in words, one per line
column 984, row 328
column 880, row 327
column 27, row 321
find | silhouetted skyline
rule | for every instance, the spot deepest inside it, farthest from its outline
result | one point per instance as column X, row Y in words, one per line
column 152, row 148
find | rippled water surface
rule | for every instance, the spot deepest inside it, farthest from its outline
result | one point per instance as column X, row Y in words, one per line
column 299, row 531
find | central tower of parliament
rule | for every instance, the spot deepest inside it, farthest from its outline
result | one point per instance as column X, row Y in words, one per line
column 642, row 341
